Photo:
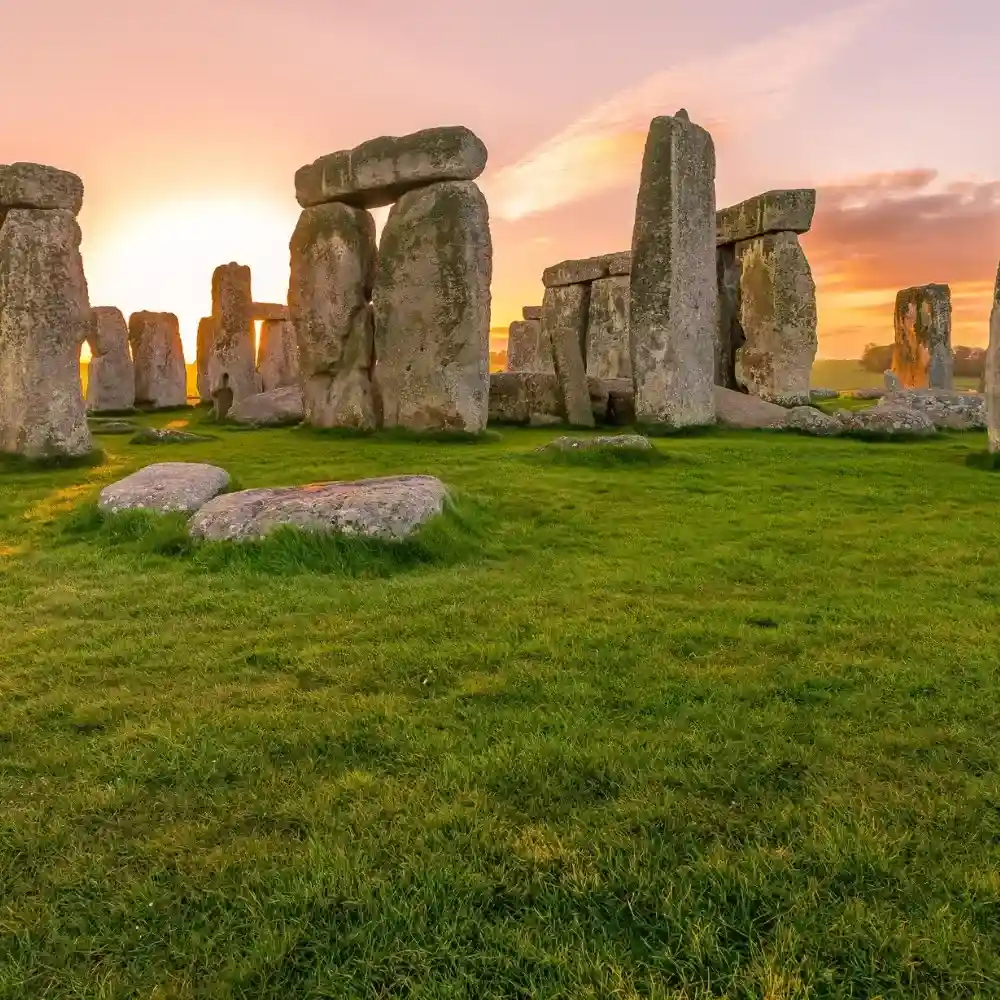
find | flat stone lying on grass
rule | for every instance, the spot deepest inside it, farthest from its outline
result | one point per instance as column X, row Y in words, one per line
column 948, row 410
column 391, row 508
column 168, row 435
column 809, row 420
column 739, row 409
column 867, row 393
column 270, row 409
column 888, row 421
column 165, row 487
column 623, row 442
column 824, row 394
column 113, row 427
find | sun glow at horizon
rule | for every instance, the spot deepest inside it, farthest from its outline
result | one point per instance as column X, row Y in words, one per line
column 162, row 258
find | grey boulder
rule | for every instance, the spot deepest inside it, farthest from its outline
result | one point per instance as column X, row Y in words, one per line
column 270, row 409
column 165, row 487
column 887, row 421
column 809, row 420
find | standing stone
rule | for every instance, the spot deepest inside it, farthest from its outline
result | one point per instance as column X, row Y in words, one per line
column 44, row 316
column 922, row 355
column 231, row 361
column 892, row 381
column 432, row 310
column 110, row 376
column 729, row 333
column 673, row 295
column 778, row 317
column 528, row 350
column 277, row 355
column 993, row 372
column 158, row 359
column 332, row 268
column 607, row 351
column 564, row 318
column 206, row 337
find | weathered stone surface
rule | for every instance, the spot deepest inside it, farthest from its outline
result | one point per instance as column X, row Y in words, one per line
column 892, row 382
column 624, row 442
column 277, row 355
column 34, row 185
column 521, row 397
column 886, row 421
column 113, row 427
column 607, row 350
column 809, row 420
column 738, row 409
column 390, row 508
column 729, row 336
column 778, row 318
column 270, row 409
column 824, row 393
column 44, row 317
column 206, row 337
column 158, row 359
column 269, row 311
column 922, row 355
column 165, row 487
column 582, row 272
column 991, row 380
column 948, row 410
column 788, row 211
column 380, row 171
column 168, row 435
column 332, row 269
column 231, row 361
column 532, row 312
column 565, row 309
column 527, row 348
column 110, row 376
column 866, row 393
column 674, row 296
column 432, row 310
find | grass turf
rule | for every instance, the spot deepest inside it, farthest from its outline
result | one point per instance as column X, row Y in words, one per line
column 723, row 726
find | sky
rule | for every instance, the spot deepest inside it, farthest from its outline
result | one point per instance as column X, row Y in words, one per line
column 188, row 120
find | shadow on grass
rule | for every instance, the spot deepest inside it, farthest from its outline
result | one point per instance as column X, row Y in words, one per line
column 599, row 456
column 15, row 464
column 402, row 435
column 456, row 536
column 985, row 460
column 666, row 431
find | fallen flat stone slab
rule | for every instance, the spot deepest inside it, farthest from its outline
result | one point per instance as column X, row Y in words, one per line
column 786, row 211
column 947, row 409
column 112, row 427
column 587, row 269
column 165, row 487
column 391, row 508
column 809, row 420
column 867, row 393
column 34, row 185
column 168, row 435
column 824, row 394
column 739, row 409
column 887, row 421
column 379, row 171
column 270, row 409
column 625, row 442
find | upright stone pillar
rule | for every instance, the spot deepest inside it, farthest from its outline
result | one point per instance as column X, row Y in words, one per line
column 44, row 314
column 231, row 361
column 158, row 359
column 993, row 372
column 110, row 375
column 564, row 318
column 922, row 355
column 730, row 336
column 607, row 350
column 332, row 268
column 277, row 355
column 673, row 293
column 528, row 350
column 432, row 310
column 778, row 318
column 206, row 338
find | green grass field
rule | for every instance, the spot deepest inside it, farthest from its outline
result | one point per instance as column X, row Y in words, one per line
column 724, row 726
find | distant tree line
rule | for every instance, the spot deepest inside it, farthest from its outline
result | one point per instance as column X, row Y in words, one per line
column 969, row 361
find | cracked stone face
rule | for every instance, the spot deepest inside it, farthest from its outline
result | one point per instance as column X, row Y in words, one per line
column 922, row 355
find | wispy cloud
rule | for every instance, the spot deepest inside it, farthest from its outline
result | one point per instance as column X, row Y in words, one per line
column 735, row 89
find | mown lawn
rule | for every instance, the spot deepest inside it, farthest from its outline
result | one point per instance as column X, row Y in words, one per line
column 724, row 726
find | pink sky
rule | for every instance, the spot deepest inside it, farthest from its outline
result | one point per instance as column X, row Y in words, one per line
column 188, row 120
